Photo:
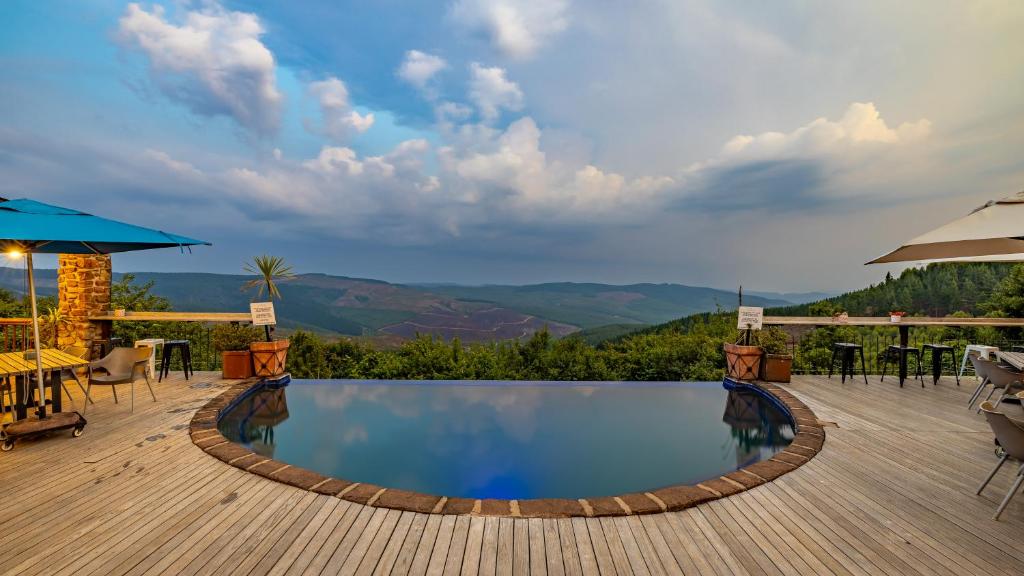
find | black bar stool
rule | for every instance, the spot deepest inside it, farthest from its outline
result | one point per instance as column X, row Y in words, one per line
column 100, row 347
column 183, row 348
column 902, row 353
column 846, row 351
column 938, row 350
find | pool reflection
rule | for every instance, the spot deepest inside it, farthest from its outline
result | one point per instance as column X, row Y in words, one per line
column 511, row 440
column 253, row 420
column 758, row 427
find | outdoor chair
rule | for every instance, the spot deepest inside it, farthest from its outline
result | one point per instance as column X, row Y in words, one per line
column 1002, row 378
column 902, row 353
column 938, row 352
column 184, row 349
column 1010, row 437
column 121, row 366
column 846, row 351
column 981, row 371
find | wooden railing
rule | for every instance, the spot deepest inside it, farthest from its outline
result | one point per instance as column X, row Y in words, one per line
column 196, row 327
column 15, row 334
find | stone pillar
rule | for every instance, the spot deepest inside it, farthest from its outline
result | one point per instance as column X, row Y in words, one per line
column 83, row 290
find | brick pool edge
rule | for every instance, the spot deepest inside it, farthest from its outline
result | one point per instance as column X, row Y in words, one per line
column 808, row 441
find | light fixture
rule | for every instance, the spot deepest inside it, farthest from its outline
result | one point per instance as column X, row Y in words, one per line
column 14, row 253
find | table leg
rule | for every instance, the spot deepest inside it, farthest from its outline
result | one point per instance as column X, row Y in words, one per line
column 904, row 342
column 20, row 397
column 56, row 393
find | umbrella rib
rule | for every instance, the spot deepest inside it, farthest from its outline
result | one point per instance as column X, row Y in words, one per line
column 91, row 247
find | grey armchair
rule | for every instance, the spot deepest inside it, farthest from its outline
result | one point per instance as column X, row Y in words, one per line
column 1004, row 379
column 121, row 366
column 1010, row 435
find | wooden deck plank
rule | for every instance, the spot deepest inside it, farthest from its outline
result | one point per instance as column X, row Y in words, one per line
column 506, row 547
column 474, row 542
column 374, row 550
column 538, row 554
column 520, row 547
column 439, row 554
column 386, row 562
column 570, row 551
column 457, row 547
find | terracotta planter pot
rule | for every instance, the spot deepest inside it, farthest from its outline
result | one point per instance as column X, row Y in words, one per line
column 743, row 362
column 268, row 358
column 237, row 364
column 777, row 368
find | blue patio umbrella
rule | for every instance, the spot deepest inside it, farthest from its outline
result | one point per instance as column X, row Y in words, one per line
column 29, row 227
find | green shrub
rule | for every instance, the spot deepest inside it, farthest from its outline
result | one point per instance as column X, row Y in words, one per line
column 233, row 337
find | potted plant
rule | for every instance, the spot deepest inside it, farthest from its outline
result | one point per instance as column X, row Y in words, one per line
column 54, row 322
column 777, row 362
column 232, row 341
column 268, row 357
column 743, row 361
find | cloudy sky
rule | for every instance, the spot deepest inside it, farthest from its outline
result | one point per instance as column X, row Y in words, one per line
column 778, row 145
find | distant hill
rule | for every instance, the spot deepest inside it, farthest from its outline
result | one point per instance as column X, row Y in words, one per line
column 373, row 308
column 794, row 297
column 591, row 305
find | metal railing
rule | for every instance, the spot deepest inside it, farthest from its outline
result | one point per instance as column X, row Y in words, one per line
column 199, row 336
column 811, row 355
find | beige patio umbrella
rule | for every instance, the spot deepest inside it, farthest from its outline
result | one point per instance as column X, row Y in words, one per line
column 992, row 233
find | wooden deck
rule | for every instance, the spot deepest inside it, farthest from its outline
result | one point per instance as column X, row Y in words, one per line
column 891, row 493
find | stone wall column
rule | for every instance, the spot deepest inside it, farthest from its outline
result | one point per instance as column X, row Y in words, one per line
column 83, row 290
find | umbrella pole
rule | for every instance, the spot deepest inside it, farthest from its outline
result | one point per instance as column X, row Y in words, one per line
column 41, row 404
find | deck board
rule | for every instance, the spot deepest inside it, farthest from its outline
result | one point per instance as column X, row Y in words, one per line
column 891, row 493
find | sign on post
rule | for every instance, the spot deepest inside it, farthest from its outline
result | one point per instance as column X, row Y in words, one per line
column 262, row 313
column 751, row 317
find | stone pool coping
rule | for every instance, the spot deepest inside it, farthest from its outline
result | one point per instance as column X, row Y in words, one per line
column 808, row 441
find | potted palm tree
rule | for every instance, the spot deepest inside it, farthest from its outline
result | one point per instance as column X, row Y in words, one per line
column 268, row 357
column 233, row 341
column 54, row 321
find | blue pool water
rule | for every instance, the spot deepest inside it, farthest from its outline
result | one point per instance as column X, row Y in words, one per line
column 511, row 439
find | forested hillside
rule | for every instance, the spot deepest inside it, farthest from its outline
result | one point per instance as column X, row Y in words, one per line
column 942, row 289
column 937, row 290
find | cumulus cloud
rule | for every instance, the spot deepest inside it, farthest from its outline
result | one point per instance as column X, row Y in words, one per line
column 165, row 160
column 517, row 28
column 859, row 155
column 861, row 124
column 339, row 119
column 419, row 67
column 514, row 172
column 213, row 62
column 491, row 91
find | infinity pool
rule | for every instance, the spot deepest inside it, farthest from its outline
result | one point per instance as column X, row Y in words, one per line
column 511, row 440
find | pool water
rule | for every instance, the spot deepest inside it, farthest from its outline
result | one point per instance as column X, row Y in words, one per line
column 511, row 440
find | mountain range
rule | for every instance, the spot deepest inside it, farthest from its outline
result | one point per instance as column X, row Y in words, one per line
column 364, row 307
